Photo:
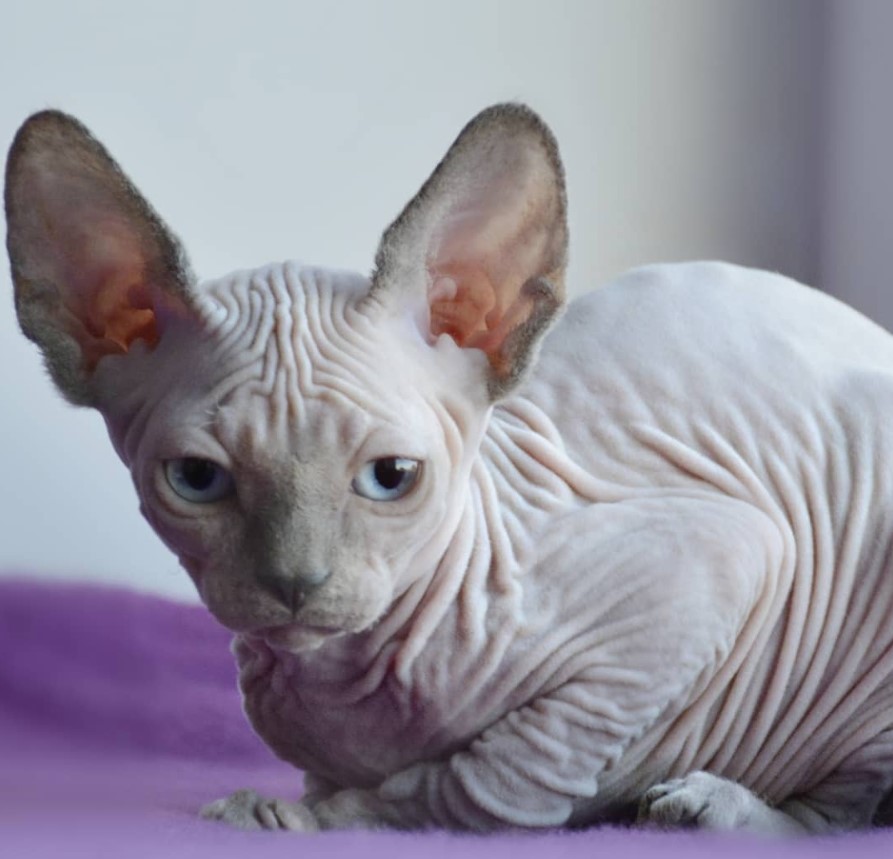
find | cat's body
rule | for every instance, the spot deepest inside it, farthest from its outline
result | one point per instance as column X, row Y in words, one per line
column 476, row 582
column 683, row 431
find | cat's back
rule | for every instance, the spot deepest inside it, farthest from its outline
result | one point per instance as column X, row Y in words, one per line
column 695, row 349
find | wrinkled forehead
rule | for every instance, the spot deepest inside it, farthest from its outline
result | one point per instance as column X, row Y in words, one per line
column 296, row 358
column 275, row 333
column 294, row 348
column 283, row 331
column 285, row 310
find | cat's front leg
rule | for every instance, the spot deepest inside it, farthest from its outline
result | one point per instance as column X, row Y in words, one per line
column 528, row 770
column 344, row 809
column 525, row 771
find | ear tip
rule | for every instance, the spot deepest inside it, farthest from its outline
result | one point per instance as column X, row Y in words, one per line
column 44, row 130
column 44, row 124
column 516, row 112
column 49, row 130
column 514, row 120
column 50, row 116
column 514, row 116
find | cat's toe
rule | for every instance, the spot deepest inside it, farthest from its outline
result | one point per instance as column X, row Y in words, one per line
column 700, row 800
column 246, row 809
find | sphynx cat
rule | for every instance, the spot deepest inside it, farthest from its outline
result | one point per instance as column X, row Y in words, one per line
column 488, row 569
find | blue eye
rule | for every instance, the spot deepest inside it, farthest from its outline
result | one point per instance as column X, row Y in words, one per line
column 387, row 479
column 198, row 480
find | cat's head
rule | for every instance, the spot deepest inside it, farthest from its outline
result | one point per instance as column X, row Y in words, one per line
column 301, row 438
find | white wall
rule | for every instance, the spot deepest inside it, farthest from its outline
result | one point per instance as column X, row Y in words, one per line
column 270, row 130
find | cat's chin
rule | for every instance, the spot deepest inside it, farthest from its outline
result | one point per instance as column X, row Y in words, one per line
column 297, row 638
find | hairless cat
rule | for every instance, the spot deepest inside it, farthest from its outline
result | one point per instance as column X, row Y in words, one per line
column 486, row 567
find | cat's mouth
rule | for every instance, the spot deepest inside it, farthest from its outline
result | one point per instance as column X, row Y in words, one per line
column 296, row 637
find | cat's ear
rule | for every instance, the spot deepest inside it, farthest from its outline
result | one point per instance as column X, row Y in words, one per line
column 480, row 251
column 94, row 267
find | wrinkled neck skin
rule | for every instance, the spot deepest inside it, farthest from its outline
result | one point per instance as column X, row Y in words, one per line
column 292, row 378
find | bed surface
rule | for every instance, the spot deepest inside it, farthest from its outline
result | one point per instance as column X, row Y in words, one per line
column 119, row 719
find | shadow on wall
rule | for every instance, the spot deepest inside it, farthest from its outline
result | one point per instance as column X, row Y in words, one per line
column 856, row 228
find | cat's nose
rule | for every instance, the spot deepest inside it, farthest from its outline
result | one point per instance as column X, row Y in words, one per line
column 291, row 588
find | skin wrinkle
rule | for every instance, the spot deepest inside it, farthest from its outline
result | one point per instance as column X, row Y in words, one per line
column 877, row 609
column 538, row 453
column 335, row 353
column 489, row 650
column 304, row 385
column 538, row 421
column 512, row 469
column 241, row 358
column 844, row 712
column 728, row 696
column 789, row 673
column 551, row 491
column 336, row 340
column 828, row 615
column 717, row 469
column 723, row 452
column 464, row 565
column 515, row 472
column 724, row 461
column 228, row 330
column 873, row 722
column 281, row 352
column 789, row 710
column 505, row 566
column 314, row 309
column 437, row 600
column 828, row 629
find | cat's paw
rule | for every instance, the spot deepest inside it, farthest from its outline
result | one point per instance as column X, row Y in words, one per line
column 698, row 801
column 246, row 809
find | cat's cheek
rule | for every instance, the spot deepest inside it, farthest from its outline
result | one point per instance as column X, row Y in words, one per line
column 171, row 536
column 190, row 539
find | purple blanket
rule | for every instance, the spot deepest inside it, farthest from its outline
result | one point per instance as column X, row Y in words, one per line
column 119, row 719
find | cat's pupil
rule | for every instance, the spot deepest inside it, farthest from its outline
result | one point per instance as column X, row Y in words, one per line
column 199, row 474
column 388, row 473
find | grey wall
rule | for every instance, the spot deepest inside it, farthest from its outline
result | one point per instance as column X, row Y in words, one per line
column 857, row 170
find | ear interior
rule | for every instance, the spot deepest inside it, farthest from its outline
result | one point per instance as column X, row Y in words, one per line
column 486, row 239
column 94, row 267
